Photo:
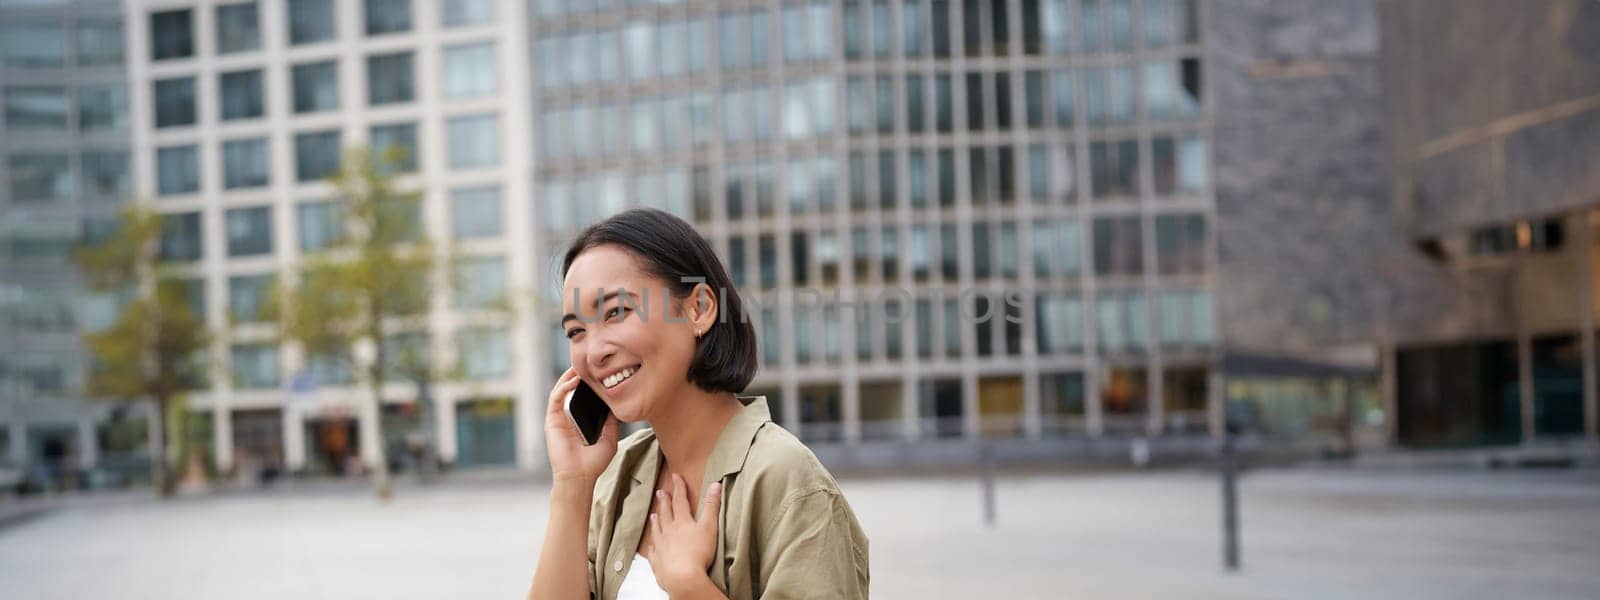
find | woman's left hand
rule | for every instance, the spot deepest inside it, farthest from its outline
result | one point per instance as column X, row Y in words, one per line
column 683, row 545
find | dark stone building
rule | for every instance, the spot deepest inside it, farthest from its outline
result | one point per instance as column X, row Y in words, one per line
column 1492, row 127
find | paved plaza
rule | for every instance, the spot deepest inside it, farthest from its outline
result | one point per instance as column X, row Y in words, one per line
column 1308, row 533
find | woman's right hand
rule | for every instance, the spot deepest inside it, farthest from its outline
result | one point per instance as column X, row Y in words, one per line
column 570, row 460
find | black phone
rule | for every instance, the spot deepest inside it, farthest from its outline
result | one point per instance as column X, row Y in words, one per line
column 587, row 412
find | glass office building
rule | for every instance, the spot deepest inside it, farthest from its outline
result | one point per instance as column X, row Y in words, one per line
column 957, row 219
column 953, row 220
column 240, row 113
column 64, row 172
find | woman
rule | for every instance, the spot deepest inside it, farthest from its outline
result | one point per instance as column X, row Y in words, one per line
column 713, row 500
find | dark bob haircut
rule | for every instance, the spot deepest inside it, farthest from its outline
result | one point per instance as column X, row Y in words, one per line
column 671, row 250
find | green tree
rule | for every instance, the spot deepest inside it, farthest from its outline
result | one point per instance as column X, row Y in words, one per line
column 368, row 289
column 150, row 350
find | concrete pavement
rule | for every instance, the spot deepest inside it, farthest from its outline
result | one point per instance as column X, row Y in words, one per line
column 1308, row 533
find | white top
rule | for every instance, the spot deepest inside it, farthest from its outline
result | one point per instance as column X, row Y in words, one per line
column 640, row 584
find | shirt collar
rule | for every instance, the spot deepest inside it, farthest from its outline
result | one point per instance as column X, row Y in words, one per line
column 733, row 444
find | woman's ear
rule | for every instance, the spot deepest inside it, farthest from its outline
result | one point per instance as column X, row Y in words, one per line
column 701, row 308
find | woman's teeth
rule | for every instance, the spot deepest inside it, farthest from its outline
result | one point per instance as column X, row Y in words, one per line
column 618, row 377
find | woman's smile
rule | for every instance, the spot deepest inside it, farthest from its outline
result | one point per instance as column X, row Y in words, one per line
column 616, row 382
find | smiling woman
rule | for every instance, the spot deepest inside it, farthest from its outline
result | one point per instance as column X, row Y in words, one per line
column 656, row 329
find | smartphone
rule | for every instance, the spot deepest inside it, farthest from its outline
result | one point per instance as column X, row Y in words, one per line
column 587, row 412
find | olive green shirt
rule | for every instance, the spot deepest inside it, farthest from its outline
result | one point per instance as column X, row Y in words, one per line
column 784, row 529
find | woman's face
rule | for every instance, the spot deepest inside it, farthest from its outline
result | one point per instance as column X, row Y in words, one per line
column 627, row 349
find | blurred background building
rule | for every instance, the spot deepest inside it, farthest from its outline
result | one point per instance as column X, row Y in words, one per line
column 1494, row 156
column 1181, row 206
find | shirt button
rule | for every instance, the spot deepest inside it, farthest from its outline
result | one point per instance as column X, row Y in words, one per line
column 616, row 566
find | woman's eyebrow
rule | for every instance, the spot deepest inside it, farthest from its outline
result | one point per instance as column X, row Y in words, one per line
column 599, row 301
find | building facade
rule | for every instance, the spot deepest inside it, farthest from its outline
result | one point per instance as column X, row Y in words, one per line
column 240, row 113
column 65, row 170
column 956, row 221
column 1494, row 155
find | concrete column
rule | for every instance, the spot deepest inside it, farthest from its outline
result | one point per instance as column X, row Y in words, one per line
column 1093, row 412
column 368, row 412
column 1525, row 381
column 1591, row 406
column 1390, row 390
column 444, row 420
column 294, row 437
column 1032, row 417
column 911, row 417
column 222, row 436
column 1155, row 411
column 1216, row 402
column 850, row 402
column 971, row 417
column 88, row 445
column 17, row 441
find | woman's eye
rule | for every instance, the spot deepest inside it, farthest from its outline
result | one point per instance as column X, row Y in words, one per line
column 573, row 332
column 616, row 311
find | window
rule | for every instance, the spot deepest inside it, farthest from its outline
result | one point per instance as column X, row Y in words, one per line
column 467, row 12
column 484, row 353
column 642, row 50
column 674, row 48
column 1061, row 98
column 882, row 32
column 310, row 21
column 180, row 237
column 388, row 16
column 943, row 104
column 1118, row 247
column 238, row 28
column 99, row 42
column 1121, row 322
column 480, row 281
column 1060, row 323
column 105, row 175
column 1181, row 244
column 40, row 177
column 734, row 32
column 699, row 45
column 883, row 100
column 1054, row 26
column 389, row 78
column 321, row 224
column 316, row 86
column 245, row 163
column 1109, row 93
column 316, row 155
column 1114, row 168
column 174, row 102
column 36, row 108
column 241, row 95
column 247, row 297
column 255, row 366
column 177, row 170
column 402, row 349
column 469, row 70
column 331, row 368
column 249, row 231
column 171, row 34
column 1185, row 317
column 396, row 144
column 855, row 31
column 474, row 141
column 475, row 212
column 102, row 108
column 911, row 28
column 33, row 45
column 1057, row 249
